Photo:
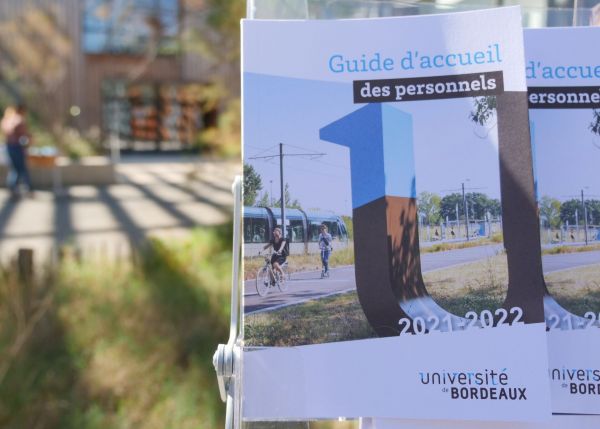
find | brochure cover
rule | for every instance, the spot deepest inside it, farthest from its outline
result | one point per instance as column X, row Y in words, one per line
column 406, row 278
column 563, row 75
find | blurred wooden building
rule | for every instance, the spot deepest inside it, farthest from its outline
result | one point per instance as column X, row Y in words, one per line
column 120, row 67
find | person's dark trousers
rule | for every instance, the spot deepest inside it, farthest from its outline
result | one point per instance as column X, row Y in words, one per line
column 18, row 168
column 325, row 259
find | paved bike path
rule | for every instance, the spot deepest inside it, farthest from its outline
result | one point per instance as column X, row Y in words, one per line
column 305, row 286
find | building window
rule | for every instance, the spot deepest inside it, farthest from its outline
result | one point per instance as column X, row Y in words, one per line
column 152, row 116
column 130, row 26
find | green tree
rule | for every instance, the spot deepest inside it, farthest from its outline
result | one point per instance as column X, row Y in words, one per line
column 567, row 211
column 593, row 210
column 448, row 206
column 550, row 209
column 485, row 108
column 494, row 207
column 349, row 226
column 428, row 205
column 252, row 184
column 478, row 204
column 289, row 203
column 595, row 124
column 263, row 200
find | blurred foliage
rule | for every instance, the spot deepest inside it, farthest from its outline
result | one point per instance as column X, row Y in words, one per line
column 76, row 145
column 36, row 55
column 125, row 344
column 212, row 31
column 224, row 139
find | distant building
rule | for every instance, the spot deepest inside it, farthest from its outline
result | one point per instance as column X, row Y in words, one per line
column 117, row 65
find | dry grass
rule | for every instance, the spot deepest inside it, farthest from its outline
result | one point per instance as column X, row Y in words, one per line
column 298, row 263
column 441, row 247
column 570, row 249
column 577, row 289
column 476, row 286
column 335, row 318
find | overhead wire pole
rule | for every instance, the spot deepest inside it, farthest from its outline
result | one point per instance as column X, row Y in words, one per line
column 281, row 185
column 465, row 206
column 585, row 213
column 282, row 201
column 466, row 211
column 585, row 220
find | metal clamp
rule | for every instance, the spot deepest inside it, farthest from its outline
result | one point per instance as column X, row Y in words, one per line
column 227, row 357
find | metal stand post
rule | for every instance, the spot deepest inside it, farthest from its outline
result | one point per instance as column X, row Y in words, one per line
column 226, row 359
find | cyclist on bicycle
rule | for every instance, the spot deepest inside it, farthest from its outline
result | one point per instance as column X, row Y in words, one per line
column 325, row 240
column 280, row 250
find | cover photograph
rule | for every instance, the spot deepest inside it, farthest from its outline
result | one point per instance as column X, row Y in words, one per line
column 406, row 258
column 563, row 75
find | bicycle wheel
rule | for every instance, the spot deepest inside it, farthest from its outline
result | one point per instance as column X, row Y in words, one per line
column 262, row 281
column 283, row 281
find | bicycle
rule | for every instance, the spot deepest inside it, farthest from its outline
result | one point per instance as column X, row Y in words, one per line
column 267, row 278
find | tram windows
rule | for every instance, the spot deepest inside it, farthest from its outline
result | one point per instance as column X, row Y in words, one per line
column 296, row 231
column 255, row 230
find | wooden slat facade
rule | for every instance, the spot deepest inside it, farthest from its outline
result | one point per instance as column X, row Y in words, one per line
column 81, row 85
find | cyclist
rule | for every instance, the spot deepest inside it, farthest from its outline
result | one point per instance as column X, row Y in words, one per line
column 280, row 250
column 325, row 240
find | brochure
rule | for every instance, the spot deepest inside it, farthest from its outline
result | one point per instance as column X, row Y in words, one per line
column 563, row 75
column 406, row 279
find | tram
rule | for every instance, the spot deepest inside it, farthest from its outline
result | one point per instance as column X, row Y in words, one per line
column 302, row 229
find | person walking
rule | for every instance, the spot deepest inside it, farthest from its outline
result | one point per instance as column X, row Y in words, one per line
column 17, row 139
column 325, row 246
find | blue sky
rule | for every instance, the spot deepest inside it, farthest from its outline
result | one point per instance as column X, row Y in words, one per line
column 566, row 158
column 449, row 148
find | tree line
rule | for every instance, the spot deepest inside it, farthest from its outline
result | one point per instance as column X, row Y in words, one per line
column 253, row 185
column 571, row 211
column 434, row 209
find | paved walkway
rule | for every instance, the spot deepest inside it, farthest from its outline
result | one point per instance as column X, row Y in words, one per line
column 163, row 197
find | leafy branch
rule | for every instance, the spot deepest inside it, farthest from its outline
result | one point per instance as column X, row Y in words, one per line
column 595, row 124
column 485, row 108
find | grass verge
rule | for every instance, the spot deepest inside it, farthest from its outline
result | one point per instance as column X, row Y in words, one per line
column 476, row 286
column 335, row 318
column 578, row 289
column 570, row 249
column 297, row 263
column 126, row 344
